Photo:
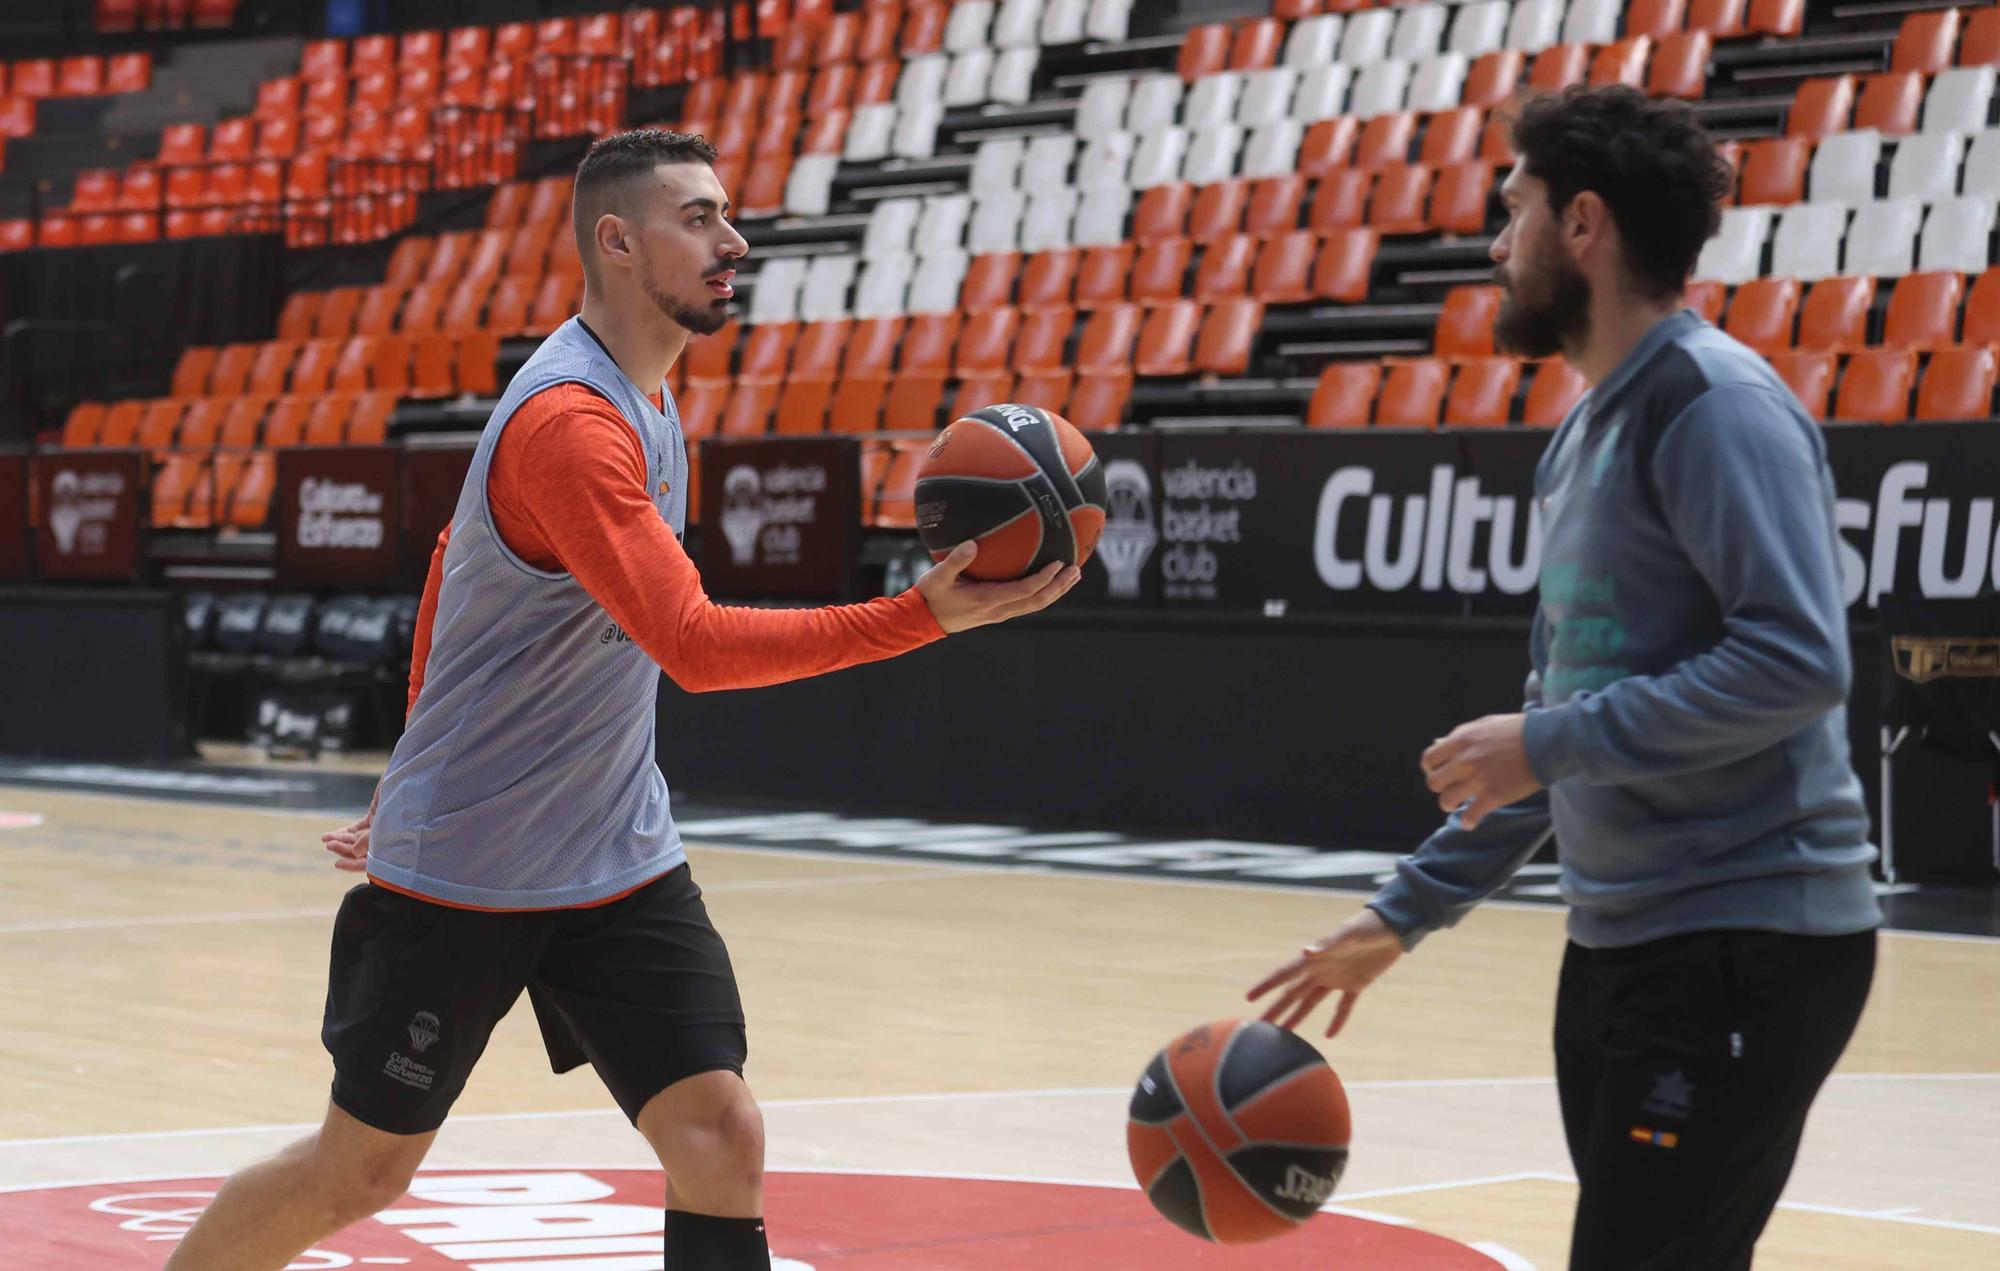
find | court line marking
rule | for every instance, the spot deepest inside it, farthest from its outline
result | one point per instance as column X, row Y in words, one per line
column 1843, row 1211
column 941, row 866
column 832, row 1101
column 285, row 915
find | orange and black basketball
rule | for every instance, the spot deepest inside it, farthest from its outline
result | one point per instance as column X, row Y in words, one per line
column 1238, row 1131
column 1021, row 482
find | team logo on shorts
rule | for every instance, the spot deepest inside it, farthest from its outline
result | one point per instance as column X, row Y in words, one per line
column 423, row 1031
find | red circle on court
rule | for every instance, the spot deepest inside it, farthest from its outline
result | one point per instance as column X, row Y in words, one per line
column 529, row 1218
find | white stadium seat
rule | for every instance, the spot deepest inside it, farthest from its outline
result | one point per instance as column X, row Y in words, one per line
column 1419, row 32
column 1062, row 21
column 935, row 286
column 1158, row 159
column 1379, row 89
column 1267, row 96
column 1806, row 244
column 1156, row 103
column 1366, row 37
column 1017, row 24
column 1273, row 149
column 1322, row 93
column 941, row 225
column 965, row 83
column 1314, row 41
column 1478, row 28
column 1843, row 167
column 1926, row 166
column 967, row 26
column 1048, row 161
column 1107, row 160
column 809, row 190
column 1958, row 235
column 1100, row 217
column 891, row 226
column 1883, row 239
column 1592, row 21
column 1013, row 79
column 823, row 294
column 1212, row 154
column 1960, row 100
column 916, row 131
column 996, row 222
column 775, row 297
column 1736, row 254
column 1101, row 109
column 1108, row 20
column 1535, row 25
column 1438, row 83
column 869, row 132
column 884, row 289
column 1047, row 222
column 1982, row 165
column 997, row 164
column 1212, row 100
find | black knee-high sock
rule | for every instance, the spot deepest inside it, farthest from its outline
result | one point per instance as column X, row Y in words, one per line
column 702, row 1242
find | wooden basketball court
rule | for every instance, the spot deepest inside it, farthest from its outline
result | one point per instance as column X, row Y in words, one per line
column 913, row 1026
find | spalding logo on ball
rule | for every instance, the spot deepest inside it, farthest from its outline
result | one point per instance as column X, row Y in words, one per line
column 1021, row 482
column 1238, row 1131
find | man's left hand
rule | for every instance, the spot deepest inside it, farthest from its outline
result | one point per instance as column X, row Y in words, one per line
column 1480, row 767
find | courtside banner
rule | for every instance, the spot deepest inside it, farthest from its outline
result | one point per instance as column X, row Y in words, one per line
column 13, row 514
column 434, row 471
column 1124, row 568
column 1435, row 523
column 781, row 518
column 94, row 512
column 338, row 519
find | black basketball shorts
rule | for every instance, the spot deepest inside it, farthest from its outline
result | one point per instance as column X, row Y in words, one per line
column 641, row 988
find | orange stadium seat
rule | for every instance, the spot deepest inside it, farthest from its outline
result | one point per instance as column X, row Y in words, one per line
column 1225, row 268
column 1923, row 310
column 1680, row 65
column 913, row 402
column 1876, row 386
column 1925, row 41
column 1043, row 337
column 1820, row 106
column 1344, row 396
column 1556, row 387
column 989, row 281
column 1106, row 347
column 1340, row 200
column 1412, row 393
column 1465, row 325
column 1482, row 393
column 1047, row 389
column 1345, row 264
column 1098, row 401
column 984, row 341
column 1050, row 277
column 928, row 341
column 1204, row 51
column 1493, row 78
column 1386, row 139
column 1763, row 312
column 81, row 427
column 1958, row 384
column 1275, row 204
column 1402, row 194
column 1980, row 45
column 1706, row 299
column 1890, row 103
column 1227, row 336
column 1218, row 210
column 1774, row 170
column 1835, row 314
column 1622, row 62
column 1809, row 373
column 1283, row 273
column 1656, row 19
column 1328, row 146
column 1451, row 136
column 120, row 426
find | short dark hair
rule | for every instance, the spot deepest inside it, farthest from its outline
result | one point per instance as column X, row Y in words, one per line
column 1648, row 158
column 614, row 161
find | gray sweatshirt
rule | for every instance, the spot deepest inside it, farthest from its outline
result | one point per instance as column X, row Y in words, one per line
column 1687, row 711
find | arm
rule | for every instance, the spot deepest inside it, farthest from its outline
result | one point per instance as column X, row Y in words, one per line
column 1742, row 487
column 582, row 486
column 1465, row 861
column 427, row 612
column 1456, row 868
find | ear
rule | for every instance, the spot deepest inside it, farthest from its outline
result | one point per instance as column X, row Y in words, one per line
column 1584, row 224
column 613, row 237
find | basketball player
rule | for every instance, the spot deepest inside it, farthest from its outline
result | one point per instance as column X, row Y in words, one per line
column 1685, row 736
column 521, row 837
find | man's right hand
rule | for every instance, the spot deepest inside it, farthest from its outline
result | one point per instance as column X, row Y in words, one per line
column 349, row 844
column 1347, row 961
column 959, row 604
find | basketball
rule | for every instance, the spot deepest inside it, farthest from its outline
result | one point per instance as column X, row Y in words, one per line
column 1238, row 1131
column 1018, row 480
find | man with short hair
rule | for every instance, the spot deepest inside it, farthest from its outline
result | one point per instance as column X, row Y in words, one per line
column 1685, row 735
column 521, row 838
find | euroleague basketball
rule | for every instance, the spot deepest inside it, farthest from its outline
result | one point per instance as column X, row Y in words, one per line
column 1238, row 1131
column 1021, row 482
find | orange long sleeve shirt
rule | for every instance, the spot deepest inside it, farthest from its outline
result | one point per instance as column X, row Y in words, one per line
column 567, row 488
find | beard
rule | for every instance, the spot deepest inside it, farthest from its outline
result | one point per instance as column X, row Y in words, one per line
column 704, row 317
column 1561, row 320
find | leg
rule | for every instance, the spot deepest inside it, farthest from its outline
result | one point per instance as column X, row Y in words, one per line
column 709, row 1137
column 643, row 989
column 1715, row 1046
column 1577, row 1051
column 269, row 1213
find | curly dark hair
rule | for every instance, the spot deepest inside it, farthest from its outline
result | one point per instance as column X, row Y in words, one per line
column 615, row 160
column 1648, row 158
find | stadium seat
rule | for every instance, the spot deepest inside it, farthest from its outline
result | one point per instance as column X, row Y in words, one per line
column 1493, row 77
column 1820, row 107
column 1098, row 401
column 1959, row 100
column 1890, row 103
column 1980, row 45
column 1344, row 396
column 1680, row 65
column 1451, row 136
column 1835, row 314
column 1482, row 393
column 1621, row 62
column 1225, row 266
column 1784, row 18
column 1226, row 337
column 1806, row 243
column 1926, row 166
column 1923, row 310
column 1328, row 146
column 1557, row 387
column 1345, row 264
column 1283, row 273
column 1402, row 193
column 1218, row 210
column 1957, row 235
column 1465, row 325
column 1876, row 387
column 1340, row 200
column 1809, row 373
column 1958, row 384
column 1156, row 274
column 1762, row 313
column 1412, row 393
column 1925, row 41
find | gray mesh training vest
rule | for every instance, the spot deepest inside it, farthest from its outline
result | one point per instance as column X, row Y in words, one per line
column 526, row 778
